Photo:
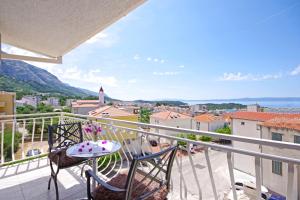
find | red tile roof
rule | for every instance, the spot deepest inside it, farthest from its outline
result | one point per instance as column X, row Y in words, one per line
column 170, row 115
column 207, row 118
column 261, row 116
column 293, row 124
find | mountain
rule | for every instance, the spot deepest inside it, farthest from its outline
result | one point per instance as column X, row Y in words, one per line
column 21, row 77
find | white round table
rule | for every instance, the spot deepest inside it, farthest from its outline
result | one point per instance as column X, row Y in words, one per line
column 93, row 150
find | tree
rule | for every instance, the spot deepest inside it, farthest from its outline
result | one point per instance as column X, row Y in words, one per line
column 62, row 101
column 144, row 115
column 42, row 108
column 27, row 109
column 225, row 130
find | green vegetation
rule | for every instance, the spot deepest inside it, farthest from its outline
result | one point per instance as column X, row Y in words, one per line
column 225, row 130
column 104, row 161
column 28, row 109
column 144, row 115
column 7, row 143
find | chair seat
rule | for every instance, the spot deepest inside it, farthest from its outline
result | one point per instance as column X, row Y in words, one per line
column 101, row 193
column 65, row 161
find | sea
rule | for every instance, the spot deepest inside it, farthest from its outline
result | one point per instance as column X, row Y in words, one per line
column 263, row 103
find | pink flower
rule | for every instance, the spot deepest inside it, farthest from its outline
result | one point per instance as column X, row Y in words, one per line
column 104, row 142
column 82, row 146
column 90, row 149
column 103, row 149
column 80, row 149
column 87, row 143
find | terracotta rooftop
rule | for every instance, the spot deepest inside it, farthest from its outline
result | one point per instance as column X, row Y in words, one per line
column 293, row 124
column 109, row 111
column 85, row 105
column 170, row 115
column 261, row 116
column 207, row 118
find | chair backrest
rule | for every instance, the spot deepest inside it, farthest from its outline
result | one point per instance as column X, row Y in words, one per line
column 149, row 174
column 64, row 135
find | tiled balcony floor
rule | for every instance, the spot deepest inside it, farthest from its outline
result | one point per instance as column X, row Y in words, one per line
column 29, row 181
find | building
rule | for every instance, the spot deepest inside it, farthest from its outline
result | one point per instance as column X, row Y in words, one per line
column 53, row 101
column 275, row 174
column 83, row 107
column 69, row 102
column 198, row 109
column 7, row 103
column 170, row 118
column 113, row 112
column 208, row 122
column 247, row 124
column 254, row 108
column 29, row 100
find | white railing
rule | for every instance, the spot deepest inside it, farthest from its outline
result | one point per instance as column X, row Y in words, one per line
column 137, row 139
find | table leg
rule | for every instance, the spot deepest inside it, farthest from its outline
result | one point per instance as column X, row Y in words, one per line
column 95, row 172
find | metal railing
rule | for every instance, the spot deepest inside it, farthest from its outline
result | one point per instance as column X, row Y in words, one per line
column 23, row 133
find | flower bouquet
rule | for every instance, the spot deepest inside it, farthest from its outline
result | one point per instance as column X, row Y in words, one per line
column 92, row 128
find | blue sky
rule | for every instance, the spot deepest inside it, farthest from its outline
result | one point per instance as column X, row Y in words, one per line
column 197, row 49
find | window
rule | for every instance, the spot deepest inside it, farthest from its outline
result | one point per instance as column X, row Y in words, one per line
column 277, row 167
column 242, row 123
column 198, row 126
column 277, row 136
column 297, row 139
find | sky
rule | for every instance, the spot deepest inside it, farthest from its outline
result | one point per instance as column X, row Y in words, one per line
column 196, row 49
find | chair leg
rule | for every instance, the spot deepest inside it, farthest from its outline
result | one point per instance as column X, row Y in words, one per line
column 49, row 182
column 82, row 168
column 54, row 177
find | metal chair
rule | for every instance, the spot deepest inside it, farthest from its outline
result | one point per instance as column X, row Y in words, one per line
column 60, row 137
column 148, row 178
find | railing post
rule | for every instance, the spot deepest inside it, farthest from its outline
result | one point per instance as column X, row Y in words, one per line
column 211, row 174
column 230, row 168
column 290, row 184
column 13, row 140
column 2, row 143
column 23, row 133
column 258, row 177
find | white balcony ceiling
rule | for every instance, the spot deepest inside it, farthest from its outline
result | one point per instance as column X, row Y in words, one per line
column 54, row 27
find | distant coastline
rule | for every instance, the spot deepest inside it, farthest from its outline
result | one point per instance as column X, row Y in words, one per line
column 285, row 102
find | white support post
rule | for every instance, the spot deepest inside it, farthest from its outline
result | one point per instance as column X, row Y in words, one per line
column 2, row 143
column 13, row 141
column 258, row 177
column 230, row 168
column 290, row 184
column 211, row 174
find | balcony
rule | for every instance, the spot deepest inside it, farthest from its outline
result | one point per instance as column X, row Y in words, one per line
column 204, row 172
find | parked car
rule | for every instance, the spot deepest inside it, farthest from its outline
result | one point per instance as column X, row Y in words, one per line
column 247, row 188
column 33, row 152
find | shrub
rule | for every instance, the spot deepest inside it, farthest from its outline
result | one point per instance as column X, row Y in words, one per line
column 205, row 138
column 8, row 142
column 225, row 130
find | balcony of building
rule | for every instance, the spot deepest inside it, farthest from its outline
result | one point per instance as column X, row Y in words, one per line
column 201, row 170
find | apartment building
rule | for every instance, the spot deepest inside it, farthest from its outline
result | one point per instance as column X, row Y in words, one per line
column 169, row 118
column 275, row 173
column 272, row 126
column 208, row 122
column 29, row 100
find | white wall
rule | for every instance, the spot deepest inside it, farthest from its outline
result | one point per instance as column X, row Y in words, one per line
column 178, row 123
column 82, row 110
column 278, row 183
column 249, row 129
column 208, row 126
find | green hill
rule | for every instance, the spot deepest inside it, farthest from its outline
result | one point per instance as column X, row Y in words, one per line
column 21, row 77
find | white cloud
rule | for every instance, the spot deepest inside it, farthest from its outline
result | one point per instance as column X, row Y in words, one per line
column 162, row 61
column 165, row 73
column 155, row 59
column 149, row 59
column 181, row 66
column 296, row 71
column 136, row 57
column 103, row 39
column 131, row 81
column 248, row 77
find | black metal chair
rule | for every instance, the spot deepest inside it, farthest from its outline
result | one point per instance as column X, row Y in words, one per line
column 150, row 181
column 60, row 137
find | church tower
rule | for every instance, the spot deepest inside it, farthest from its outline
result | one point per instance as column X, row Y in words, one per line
column 101, row 96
